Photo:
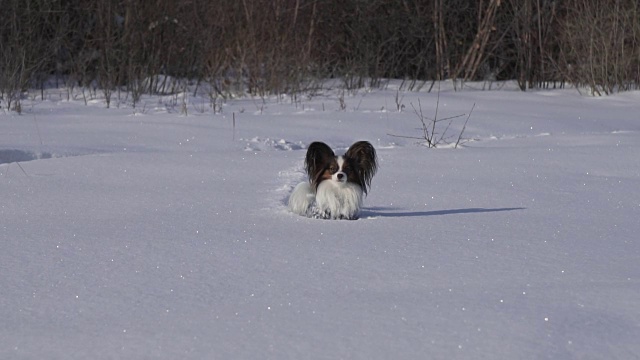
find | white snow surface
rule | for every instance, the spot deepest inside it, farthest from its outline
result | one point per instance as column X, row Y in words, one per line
column 150, row 234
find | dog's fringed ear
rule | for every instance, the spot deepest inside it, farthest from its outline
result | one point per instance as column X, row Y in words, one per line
column 319, row 155
column 364, row 155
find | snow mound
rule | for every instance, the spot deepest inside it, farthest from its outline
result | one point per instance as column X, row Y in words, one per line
column 260, row 144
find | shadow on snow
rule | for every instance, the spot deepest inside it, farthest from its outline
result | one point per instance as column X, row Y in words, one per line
column 388, row 212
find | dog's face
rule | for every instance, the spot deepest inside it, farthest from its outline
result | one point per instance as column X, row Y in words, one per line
column 356, row 166
column 339, row 170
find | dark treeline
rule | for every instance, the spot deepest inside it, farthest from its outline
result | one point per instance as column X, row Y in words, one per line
column 279, row 46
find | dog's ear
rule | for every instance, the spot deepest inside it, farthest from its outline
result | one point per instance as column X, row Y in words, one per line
column 363, row 154
column 319, row 155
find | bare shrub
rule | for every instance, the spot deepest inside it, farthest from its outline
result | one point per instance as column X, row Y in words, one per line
column 435, row 131
column 601, row 42
column 284, row 47
column 24, row 49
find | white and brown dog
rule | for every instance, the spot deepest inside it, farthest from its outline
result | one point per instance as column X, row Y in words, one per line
column 336, row 183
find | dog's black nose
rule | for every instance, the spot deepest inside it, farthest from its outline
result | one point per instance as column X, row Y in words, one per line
column 340, row 176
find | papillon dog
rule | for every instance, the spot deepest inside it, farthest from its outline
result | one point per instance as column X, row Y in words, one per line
column 336, row 183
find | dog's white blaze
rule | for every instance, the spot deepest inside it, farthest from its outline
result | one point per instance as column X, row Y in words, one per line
column 334, row 177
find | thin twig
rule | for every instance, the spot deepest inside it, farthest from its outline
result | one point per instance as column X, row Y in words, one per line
column 464, row 127
column 425, row 129
column 450, row 118
column 435, row 118
column 406, row 137
column 20, row 166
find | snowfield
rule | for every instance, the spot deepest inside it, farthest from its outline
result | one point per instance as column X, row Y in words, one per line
column 150, row 234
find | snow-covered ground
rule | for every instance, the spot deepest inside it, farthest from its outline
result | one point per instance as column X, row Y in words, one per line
column 147, row 234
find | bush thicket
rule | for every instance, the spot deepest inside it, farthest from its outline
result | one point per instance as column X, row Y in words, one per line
column 283, row 46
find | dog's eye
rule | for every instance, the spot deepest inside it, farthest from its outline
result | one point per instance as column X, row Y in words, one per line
column 333, row 169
